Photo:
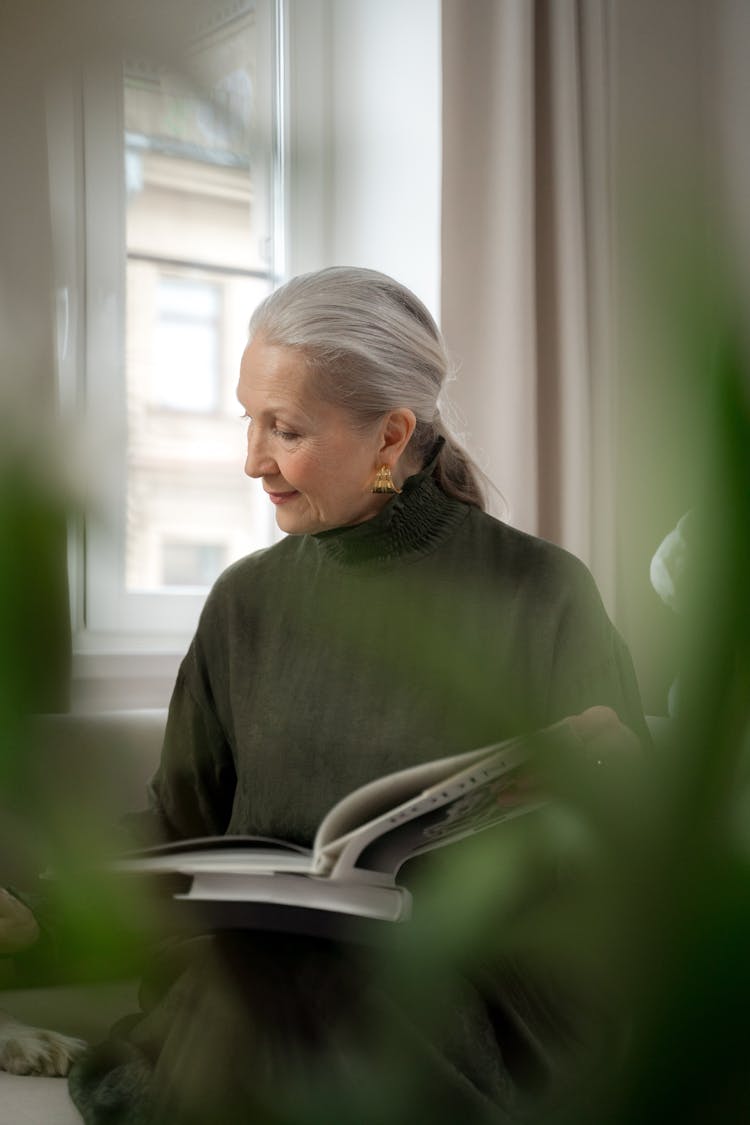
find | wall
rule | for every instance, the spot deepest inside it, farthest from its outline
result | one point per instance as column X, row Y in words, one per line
column 366, row 140
column 386, row 115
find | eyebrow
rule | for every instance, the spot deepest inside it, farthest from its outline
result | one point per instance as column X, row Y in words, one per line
column 274, row 410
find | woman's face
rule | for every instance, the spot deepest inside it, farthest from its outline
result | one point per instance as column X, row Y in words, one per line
column 315, row 466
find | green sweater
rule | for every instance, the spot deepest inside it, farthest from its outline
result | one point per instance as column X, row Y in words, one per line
column 318, row 665
column 330, row 659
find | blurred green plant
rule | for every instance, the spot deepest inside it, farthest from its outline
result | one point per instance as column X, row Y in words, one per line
column 34, row 634
column 630, row 896
column 627, row 898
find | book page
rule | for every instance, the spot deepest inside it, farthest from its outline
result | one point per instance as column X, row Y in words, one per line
column 215, row 853
column 385, row 793
column 490, row 786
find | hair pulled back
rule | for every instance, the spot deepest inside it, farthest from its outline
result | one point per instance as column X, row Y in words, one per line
column 372, row 347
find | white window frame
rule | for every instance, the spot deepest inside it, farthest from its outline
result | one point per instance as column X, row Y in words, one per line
column 111, row 609
column 120, row 657
column 336, row 170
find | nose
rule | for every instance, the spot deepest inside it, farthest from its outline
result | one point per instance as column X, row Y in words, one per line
column 258, row 462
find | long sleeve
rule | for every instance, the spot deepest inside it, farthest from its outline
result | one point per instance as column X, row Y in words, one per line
column 193, row 789
column 591, row 664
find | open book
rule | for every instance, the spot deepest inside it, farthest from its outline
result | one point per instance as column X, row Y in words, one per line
column 359, row 848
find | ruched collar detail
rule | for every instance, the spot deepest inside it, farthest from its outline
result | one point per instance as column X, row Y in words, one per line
column 413, row 523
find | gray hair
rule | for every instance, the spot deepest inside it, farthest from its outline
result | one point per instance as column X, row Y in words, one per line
column 373, row 347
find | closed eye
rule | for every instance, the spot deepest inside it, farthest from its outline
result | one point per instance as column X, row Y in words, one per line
column 285, row 435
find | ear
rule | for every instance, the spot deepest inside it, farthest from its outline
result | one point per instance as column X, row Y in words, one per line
column 397, row 428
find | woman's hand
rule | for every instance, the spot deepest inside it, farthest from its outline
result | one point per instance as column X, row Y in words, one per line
column 603, row 736
column 18, row 926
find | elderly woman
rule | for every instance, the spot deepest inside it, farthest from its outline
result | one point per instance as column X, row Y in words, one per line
column 397, row 622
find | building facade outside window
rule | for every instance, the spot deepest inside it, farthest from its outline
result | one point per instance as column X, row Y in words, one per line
column 197, row 263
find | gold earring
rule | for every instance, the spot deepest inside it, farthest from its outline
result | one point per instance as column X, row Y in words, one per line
column 384, row 481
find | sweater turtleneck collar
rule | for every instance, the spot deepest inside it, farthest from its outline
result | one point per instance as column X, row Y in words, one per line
column 413, row 523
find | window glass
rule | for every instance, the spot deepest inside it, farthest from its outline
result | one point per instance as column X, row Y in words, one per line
column 184, row 365
column 197, row 237
column 191, row 564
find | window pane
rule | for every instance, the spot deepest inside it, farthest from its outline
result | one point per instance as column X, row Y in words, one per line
column 192, row 564
column 189, row 300
column 186, row 346
column 197, row 237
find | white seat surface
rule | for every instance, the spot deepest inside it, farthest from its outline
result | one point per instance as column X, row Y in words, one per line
column 36, row 1101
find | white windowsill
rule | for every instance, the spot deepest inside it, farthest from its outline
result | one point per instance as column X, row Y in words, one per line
column 123, row 680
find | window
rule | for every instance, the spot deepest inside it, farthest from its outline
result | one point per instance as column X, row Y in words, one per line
column 183, row 183
column 173, row 214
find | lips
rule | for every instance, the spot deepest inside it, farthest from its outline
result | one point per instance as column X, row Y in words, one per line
column 281, row 497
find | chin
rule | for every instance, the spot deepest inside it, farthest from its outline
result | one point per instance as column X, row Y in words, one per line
column 302, row 524
column 294, row 525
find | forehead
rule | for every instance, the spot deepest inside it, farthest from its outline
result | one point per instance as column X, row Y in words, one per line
column 269, row 372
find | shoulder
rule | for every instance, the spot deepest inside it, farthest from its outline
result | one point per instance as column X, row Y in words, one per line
column 250, row 581
column 256, row 565
column 242, row 605
column 526, row 561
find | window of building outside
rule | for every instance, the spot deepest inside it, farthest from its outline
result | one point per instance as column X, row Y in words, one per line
column 197, row 262
column 185, row 357
column 191, row 564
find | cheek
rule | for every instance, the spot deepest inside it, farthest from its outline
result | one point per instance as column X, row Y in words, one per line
column 326, row 475
column 344, row 464
column 307, row 471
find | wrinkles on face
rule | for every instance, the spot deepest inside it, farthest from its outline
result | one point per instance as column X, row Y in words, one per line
column 315, row 465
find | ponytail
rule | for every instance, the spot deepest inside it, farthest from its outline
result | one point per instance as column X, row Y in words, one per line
column 454, row 473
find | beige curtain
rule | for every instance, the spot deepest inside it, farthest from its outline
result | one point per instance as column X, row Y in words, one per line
column 526, row 269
